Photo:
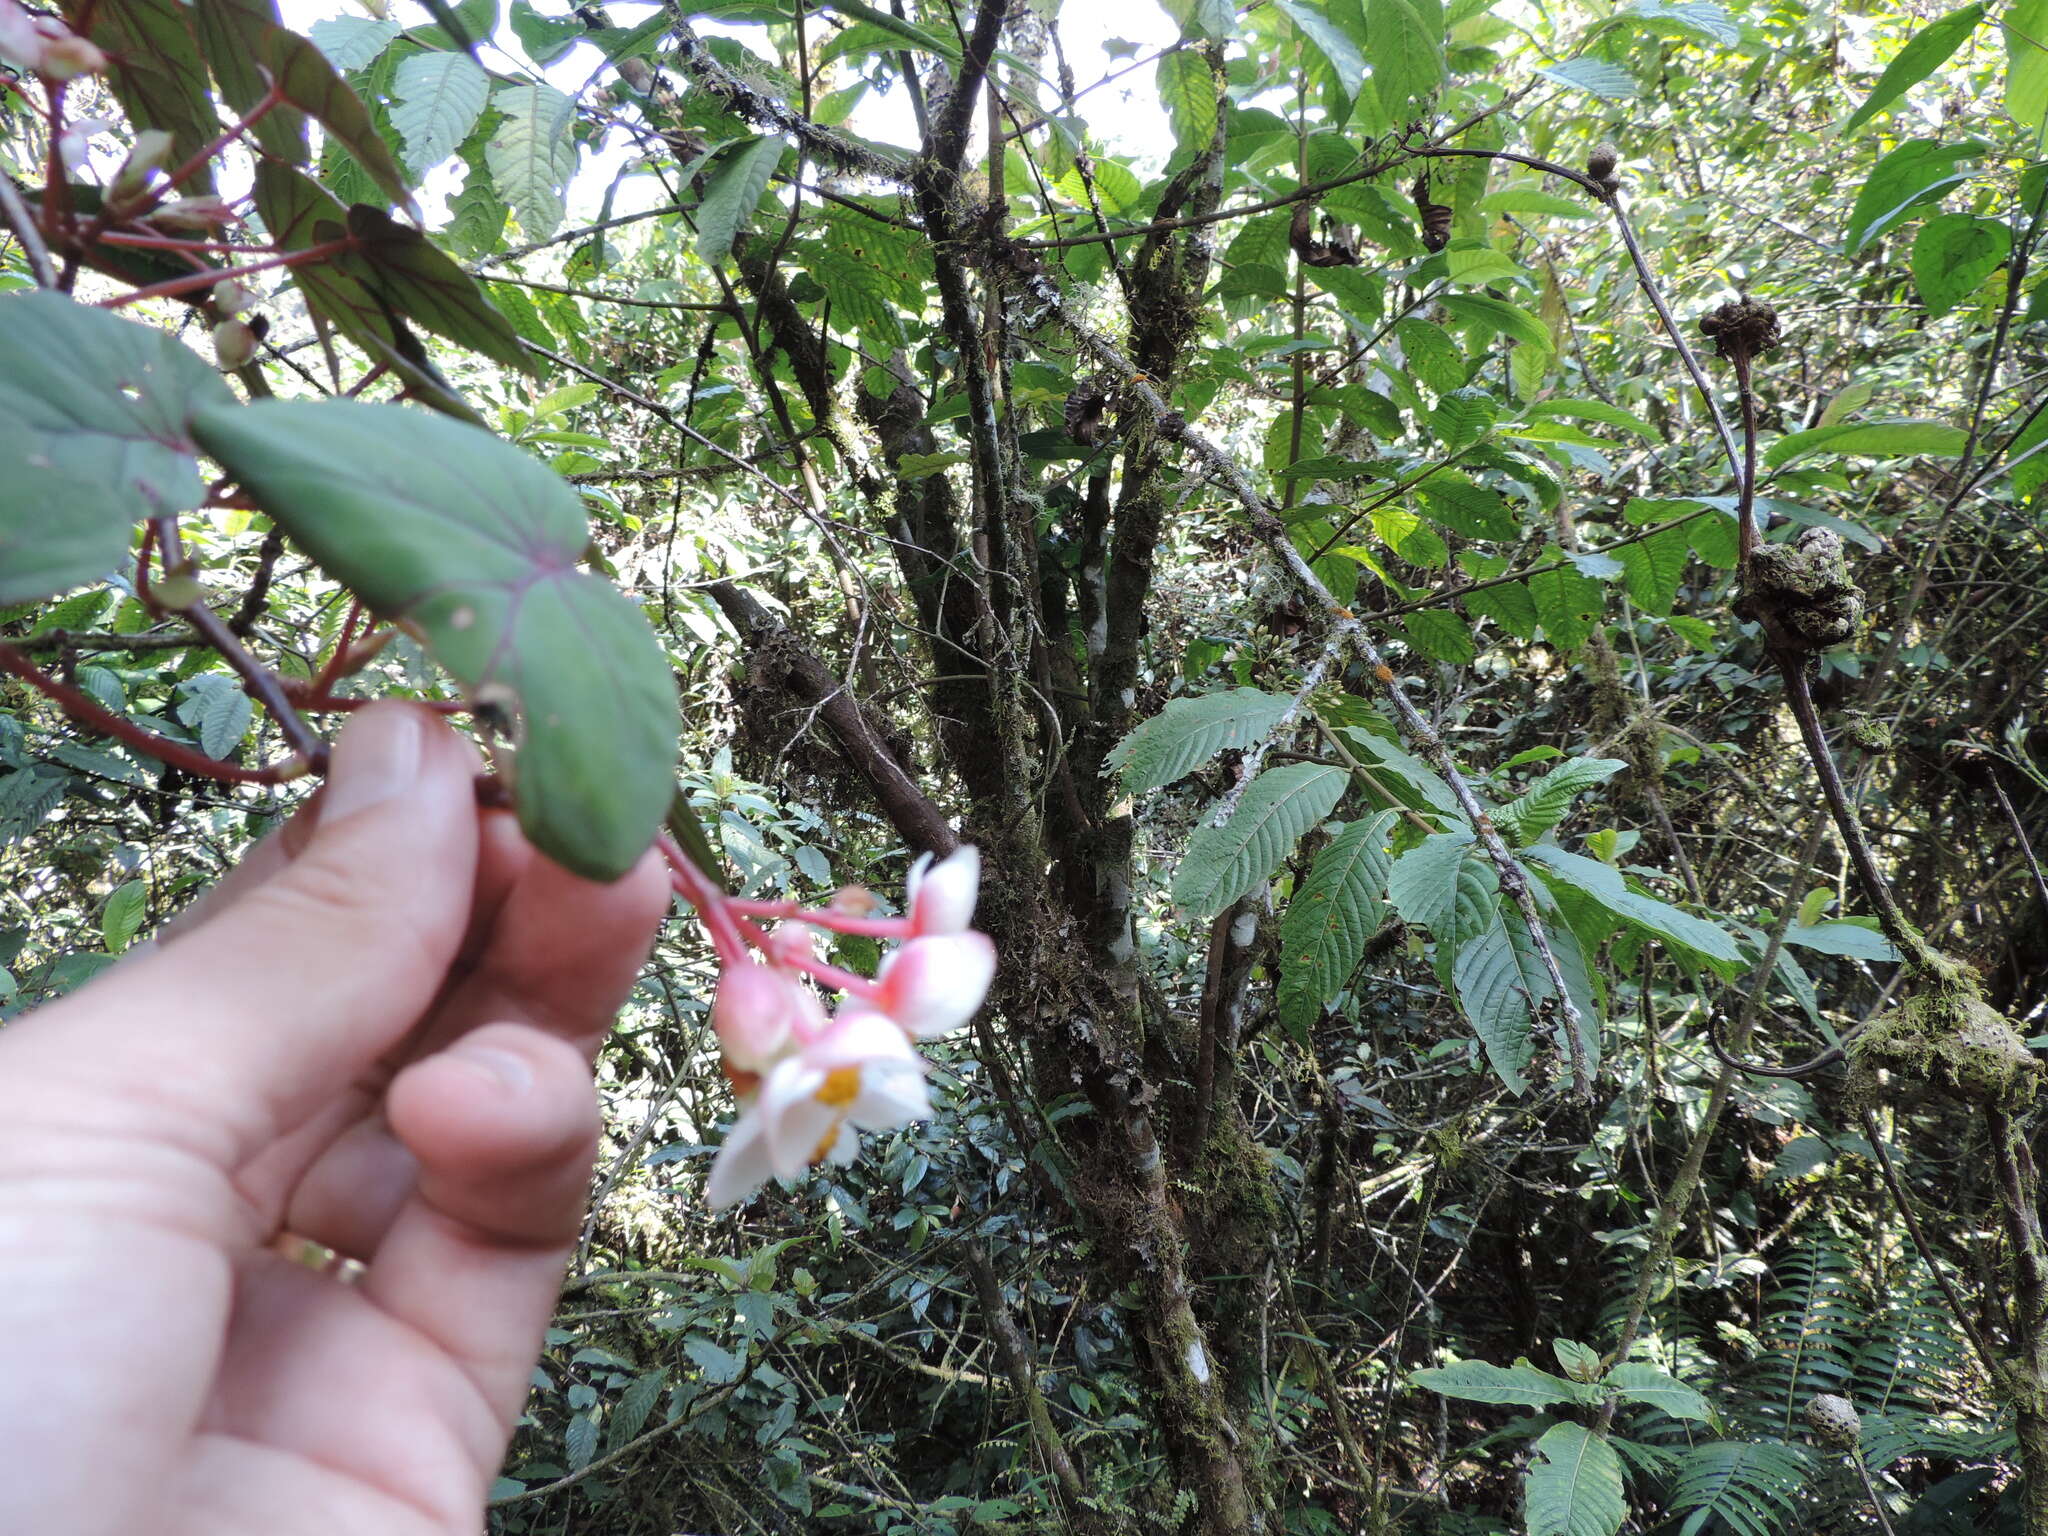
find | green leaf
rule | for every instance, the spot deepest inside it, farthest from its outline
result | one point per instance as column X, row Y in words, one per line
column 160, row 81
column 1697, row 18
column 1606, row 887
column 1191, row 730
column 437, row 98
column 1475, row 511
column 1480, row 265
column 1581, row 1362
column 1635, row 1382
column 2026, row 69
column 1212, row 21
column 635, row 1405
column 1405, row 46
column 1652, row 569
column 1844, row 936
column 1329, row 40
column 1573, row 1488
column 1500, row 981
column 1953, row 254
column 1899, row 439
column 734, row 193
column 1428, row 352
column 1521, row 1385
column 447, row 528
column 579, row 1440
column 1594, row 410
column 310, row 83
column 352, row 42
column 1546, row 802
column 1387, row 759
column 425, row 285
column 239, row 39
column 1423, row 883
column 1496, row 314
column 1335, row 912
column 532, row 156
column 1464, row 416
column 121, row 918
column 95, row 433
column 1569, row 604
column 1596, row 78
column 1188, row 92
column 1441, row 636
column 1916, row 173
column 1224, row 863
column 904, row 31
column 217, row 710
column 545, row 38
column 1927, row 50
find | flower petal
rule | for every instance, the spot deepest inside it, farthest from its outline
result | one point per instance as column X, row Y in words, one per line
column 933, row 985
column 742, row 1164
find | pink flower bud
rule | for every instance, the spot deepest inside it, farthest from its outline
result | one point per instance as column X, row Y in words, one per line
column 233, row 344
column 194, row 213
column 942, row 895
column 759, row 1012
column 68, row 56
column 790, row 944
column 932, row 985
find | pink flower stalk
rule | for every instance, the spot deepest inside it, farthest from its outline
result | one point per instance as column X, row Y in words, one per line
column 807, row 1083
column 860, row 1073
column 942, row 895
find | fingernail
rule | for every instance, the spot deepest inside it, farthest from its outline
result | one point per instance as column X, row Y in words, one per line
column 509, row 1071
column 377, row 759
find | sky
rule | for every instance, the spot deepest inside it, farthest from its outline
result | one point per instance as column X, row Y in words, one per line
column 1124, row 116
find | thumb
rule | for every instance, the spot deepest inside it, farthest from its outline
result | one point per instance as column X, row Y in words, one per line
column 276, row 1002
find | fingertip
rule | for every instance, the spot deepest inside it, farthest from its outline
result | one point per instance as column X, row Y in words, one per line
column 504, row 1124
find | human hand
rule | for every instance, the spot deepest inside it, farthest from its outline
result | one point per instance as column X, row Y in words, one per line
column 376, row 1034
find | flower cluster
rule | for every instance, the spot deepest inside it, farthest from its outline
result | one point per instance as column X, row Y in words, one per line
column 809, row 1080
column 44, row 46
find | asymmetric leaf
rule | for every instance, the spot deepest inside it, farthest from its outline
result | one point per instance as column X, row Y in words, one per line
column 451, row 529
column 95, row 434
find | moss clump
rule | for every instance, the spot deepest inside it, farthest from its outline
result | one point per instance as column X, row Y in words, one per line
column 1802, row 592
column 1949, row 1038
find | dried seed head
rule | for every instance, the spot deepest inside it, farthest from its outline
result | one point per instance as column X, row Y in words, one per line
column 1741, row 329
column 1085, row 408
column 1435, row 217
column 1834, row 1420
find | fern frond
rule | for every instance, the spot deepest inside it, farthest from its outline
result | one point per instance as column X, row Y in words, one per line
column 1752, row 1487
column 1811, row 1326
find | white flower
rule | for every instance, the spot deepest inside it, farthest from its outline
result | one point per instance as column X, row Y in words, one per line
column 861, row 1073
column 931, row 986
column 941, row 895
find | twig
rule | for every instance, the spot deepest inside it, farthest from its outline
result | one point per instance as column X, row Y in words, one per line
column 19, row 220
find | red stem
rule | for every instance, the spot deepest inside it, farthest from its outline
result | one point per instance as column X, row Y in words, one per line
column 691, row 883
column 171, row 287
column 272, row 98
column 172, row 243
column 818, row 970
column 331, row 673
column 89, row 712
column 825, row 917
